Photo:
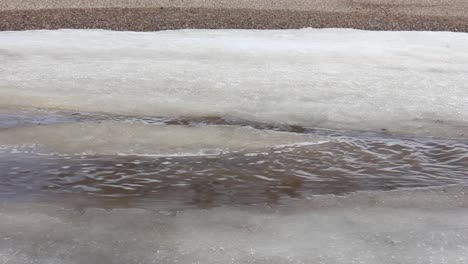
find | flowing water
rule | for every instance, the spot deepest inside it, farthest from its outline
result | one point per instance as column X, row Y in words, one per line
column 211, row 162
column 233, row 146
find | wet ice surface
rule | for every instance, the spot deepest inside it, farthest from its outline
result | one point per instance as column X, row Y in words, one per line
column 427, row 226
column 117, row 138
column 233, row 146
column 255, row 203
column 350, row 197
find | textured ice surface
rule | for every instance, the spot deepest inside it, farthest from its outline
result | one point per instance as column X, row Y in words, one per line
column 417, row 227
column 402, row 82
column 409, row 82
column 111, row 138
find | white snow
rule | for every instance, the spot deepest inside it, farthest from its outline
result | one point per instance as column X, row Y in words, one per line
column 406, row 82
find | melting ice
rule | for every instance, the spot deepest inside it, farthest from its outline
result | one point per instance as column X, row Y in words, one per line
column 306, row 132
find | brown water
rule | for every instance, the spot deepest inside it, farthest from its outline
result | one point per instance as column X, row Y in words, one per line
column 343, row 162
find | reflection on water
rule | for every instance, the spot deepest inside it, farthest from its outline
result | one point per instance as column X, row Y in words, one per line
column 344, row 164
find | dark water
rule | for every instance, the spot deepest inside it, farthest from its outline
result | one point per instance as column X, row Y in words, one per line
column 348, row 162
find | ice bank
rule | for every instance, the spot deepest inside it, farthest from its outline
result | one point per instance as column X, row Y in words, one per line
column 404, row 82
